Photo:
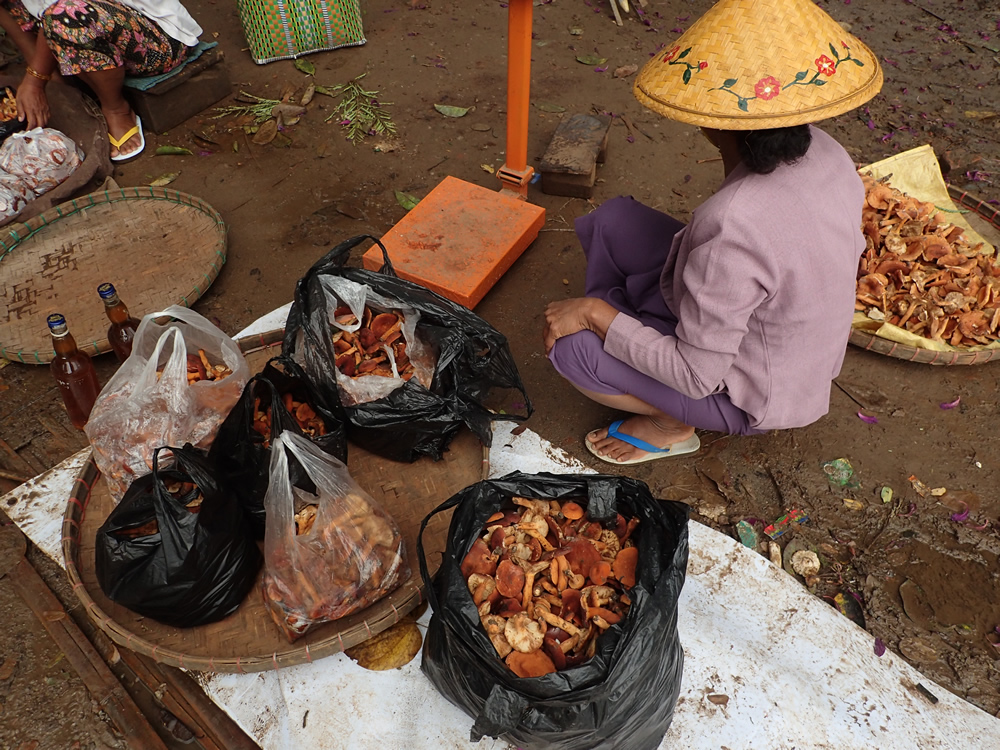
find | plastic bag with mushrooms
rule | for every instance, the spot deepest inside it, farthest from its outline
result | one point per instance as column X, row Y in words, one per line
column 277, row 399
column 464, row 359
column 327, row 554
column 176, row 548
column 150, row 400
column 555, row 611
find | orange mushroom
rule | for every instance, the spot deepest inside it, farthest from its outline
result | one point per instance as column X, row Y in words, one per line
column 510, row 579
column 535, row 664
column 625, row 564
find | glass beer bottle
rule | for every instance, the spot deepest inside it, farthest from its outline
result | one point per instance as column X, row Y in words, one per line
column 122, row 328
column 73, row 372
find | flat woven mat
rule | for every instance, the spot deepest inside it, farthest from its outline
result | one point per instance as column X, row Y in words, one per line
column 870, row 342
column 158, row 247
column 248, row 640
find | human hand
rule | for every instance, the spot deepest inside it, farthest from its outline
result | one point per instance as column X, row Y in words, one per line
column 32, row 104
column 573, row 315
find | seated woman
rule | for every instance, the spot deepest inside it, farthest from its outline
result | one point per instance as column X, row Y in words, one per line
column 100, row 42
column 737, row 322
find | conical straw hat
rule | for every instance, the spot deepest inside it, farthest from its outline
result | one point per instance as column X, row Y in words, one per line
column 749, row 64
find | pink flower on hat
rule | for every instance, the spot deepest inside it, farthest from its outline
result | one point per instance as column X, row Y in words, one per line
column 825, row 65
column 702, row 65
column 672, row 54
column 767, row 87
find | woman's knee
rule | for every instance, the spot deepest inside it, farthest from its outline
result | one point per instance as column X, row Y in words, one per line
column 576, row 356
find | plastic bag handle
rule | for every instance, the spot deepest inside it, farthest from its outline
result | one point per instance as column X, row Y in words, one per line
column 337, row 257
column 451, row 502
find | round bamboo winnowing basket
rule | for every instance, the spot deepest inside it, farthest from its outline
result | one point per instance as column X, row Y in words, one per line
column 870, row 342
column 248, row 640
column 158, row 247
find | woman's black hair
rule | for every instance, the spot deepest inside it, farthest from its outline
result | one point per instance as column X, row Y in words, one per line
column 763, row 151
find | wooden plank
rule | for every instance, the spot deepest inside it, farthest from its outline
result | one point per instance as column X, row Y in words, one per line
column 83, row 657
column 18, row 463
column 187, row 701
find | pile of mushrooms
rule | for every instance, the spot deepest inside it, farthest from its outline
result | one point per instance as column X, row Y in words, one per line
column 920, row 272
column 547, row 581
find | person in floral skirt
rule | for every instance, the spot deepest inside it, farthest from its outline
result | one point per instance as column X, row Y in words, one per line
column 737, row 322
column 100, row 42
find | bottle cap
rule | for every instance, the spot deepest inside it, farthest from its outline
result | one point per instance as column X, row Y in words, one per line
column 107, row 291
column 57, row 324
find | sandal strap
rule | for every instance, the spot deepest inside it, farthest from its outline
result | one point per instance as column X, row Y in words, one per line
column 119, row 142
column 633, row 441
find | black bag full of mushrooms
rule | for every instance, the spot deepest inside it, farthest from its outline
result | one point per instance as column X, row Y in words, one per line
column 408, row 367
column 555, row 611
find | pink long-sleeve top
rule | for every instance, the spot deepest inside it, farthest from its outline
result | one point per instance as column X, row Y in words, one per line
column 762, row 282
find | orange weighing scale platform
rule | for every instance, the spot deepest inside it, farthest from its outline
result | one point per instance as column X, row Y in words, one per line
column 461, row 238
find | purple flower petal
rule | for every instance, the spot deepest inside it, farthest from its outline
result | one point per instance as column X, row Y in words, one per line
column 879, row 647
column 951, row 404
column 959, row 517
column 867, row 418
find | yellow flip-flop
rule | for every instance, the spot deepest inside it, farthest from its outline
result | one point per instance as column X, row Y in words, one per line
column 118, row 142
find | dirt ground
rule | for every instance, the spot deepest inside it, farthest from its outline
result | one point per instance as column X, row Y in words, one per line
column 917, row 571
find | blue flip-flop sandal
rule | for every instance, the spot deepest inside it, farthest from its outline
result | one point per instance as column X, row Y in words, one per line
column 691, row 445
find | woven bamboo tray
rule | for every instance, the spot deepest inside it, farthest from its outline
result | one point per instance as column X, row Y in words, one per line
column 248, row 640
column 158, row 247
column 872, row 343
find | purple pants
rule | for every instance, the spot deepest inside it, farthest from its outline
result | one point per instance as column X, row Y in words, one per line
column 626, row 245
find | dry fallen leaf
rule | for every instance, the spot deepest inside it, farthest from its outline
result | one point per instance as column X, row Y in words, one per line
column 390, row 649
column 625, row 71
column 719, row 700
column 164, row 179
column 266, row 133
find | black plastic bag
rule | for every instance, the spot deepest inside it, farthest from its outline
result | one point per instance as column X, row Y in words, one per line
column 624, row 696
column 192, row 568
column 243, row 454
column 473, row 358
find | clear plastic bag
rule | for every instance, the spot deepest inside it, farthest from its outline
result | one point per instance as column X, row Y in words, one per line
column 329, row 554
column 361, row 389
column 42, row 157
column 150, row 401
column 14, row 195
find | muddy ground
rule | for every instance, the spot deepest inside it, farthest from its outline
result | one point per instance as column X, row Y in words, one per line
column 918, row 571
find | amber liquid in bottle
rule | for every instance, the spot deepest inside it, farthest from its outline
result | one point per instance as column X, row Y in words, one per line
column 122, row 328
column 73, row 372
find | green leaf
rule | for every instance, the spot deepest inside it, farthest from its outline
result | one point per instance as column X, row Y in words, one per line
column 729, row 82
column 743, row 104
column 236, row 147
column 305, row 66
column 406, row 200
column 683, row 54
column 687, row 75
column 833, row 51
column 799, row 76
column 548, row 107
column 819, row 82
column 591, row 59
column 449, row 111
column 172, row 151
column 324, row 91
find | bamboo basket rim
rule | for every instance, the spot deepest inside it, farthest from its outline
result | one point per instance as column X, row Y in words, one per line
column 12, row 236
column 872, row 343
column 385, row 612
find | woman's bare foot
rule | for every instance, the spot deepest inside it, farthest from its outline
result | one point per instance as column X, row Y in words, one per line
column 119, row 123
column 655, row 431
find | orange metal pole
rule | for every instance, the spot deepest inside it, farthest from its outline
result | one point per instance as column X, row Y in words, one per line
column 516, row 174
